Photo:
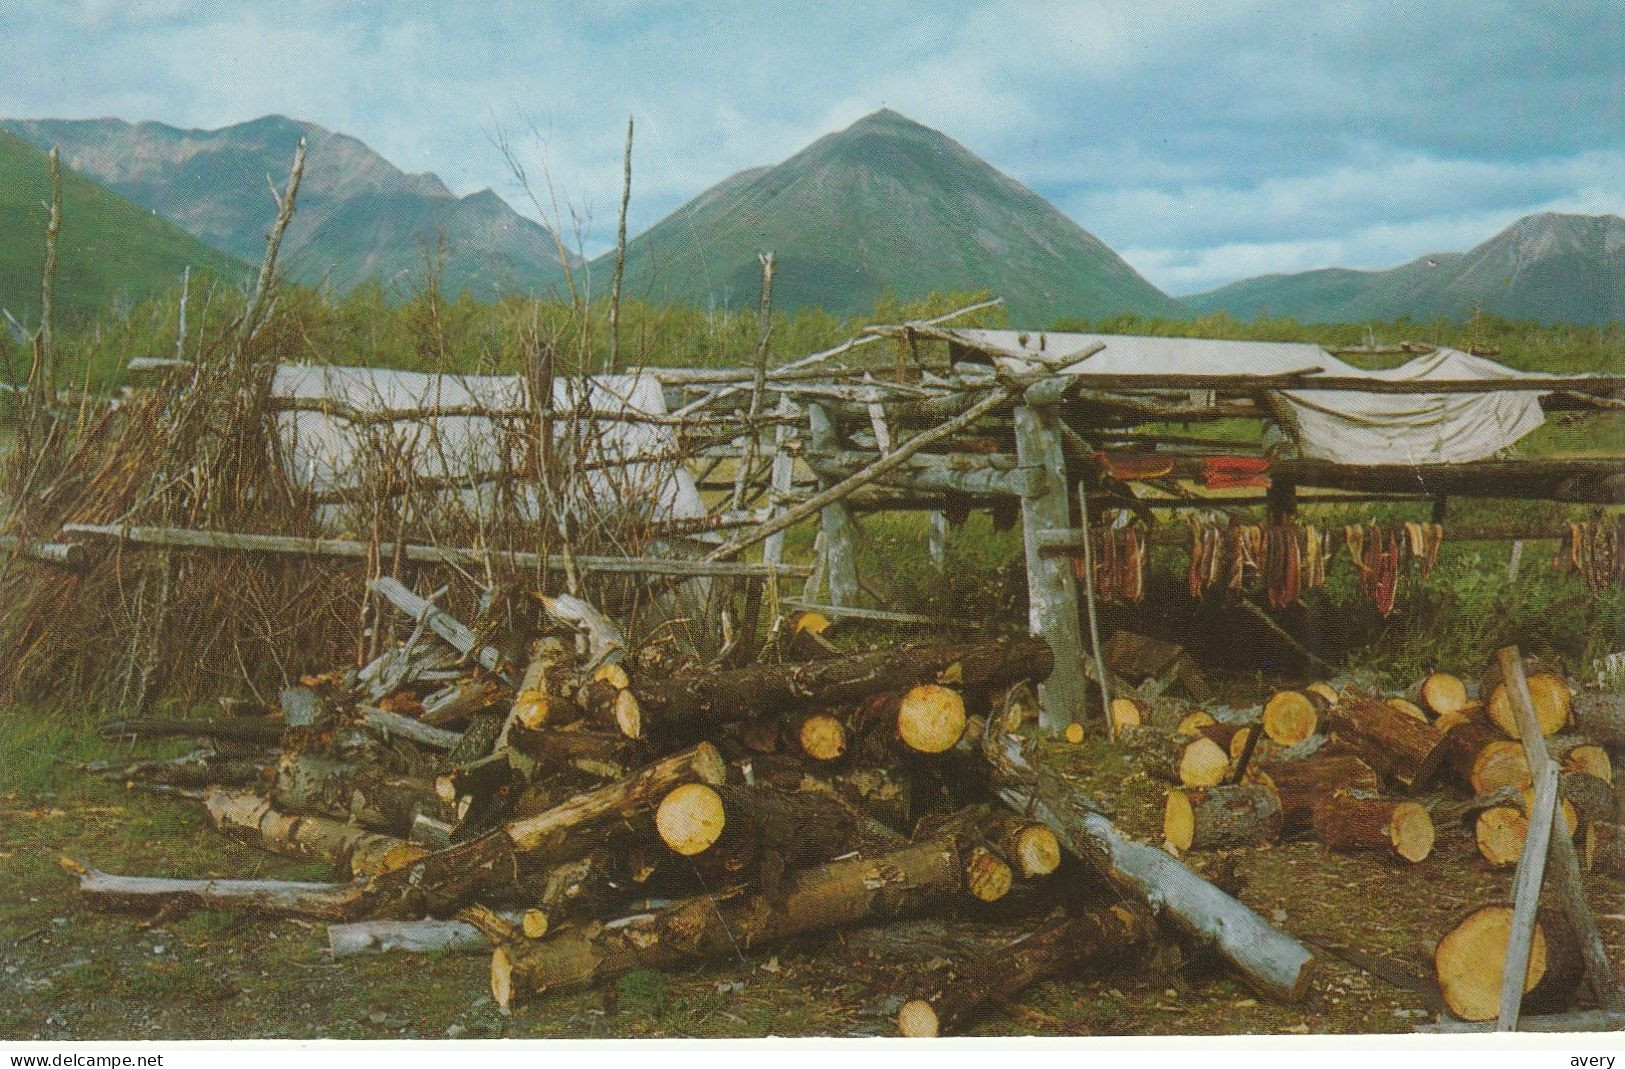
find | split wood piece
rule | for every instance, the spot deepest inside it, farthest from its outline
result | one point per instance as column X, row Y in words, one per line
column 565, row 832
column 820, row 736
column 427, row 936
column 452, row 705
column 1442, row 692
column 389, row 724
column 1290, row 716
column 1354, row 819
column 1194, row 761
column 148, row 894
column 1398, row 746
column 763, row 689
column 1219, row 818
column 1099, row 940
column 1129, row 712
column 1193, row 722
column 1471, row 959
column 460, row 637
column 1604, row 849
column 252, row 730
column 1599, row 715
column 360, row 793
column 595, row 753
column 846, row 892
column 1300, row 784
column 1575, row 753
column 1550, row 691
column 346, row 847
column 1270, row 961
column 1483, row 760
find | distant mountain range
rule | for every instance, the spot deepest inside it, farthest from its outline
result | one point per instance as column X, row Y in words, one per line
column 108, row 248
column 886, row 205
column 359, row 217
column 1549, row 267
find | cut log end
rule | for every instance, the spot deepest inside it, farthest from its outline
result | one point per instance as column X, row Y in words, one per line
column 1325, row 691
column 502, row 978
column 1470, row 961
column 534, row 923
column 628, row 715
column 690, row 818
column 1128, row 711
column 1178, row 821
column 1193, row 722
column 1590, row 759
column 822, row 737
column 988, row 877
column 1036, row 851
column 1500, row 764
column 931, row 718
column 1290, row 717
column 1074, row 733
column 1204, row 764
column 917, row 1020
column 1409, row 708
column 1500, row 832
column 1443, row 693
column 1553, row 701
column 1412, row 832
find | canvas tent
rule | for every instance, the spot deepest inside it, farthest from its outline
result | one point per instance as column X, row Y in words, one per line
column 1342, row 426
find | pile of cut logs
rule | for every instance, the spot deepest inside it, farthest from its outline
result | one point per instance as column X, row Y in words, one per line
column 585, row 814
column 1358, row 771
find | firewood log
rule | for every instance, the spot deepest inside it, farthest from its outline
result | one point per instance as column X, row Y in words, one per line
column 1576, row 753
column 1599, row 715
column 252, row 730
column 1290, row 716
column 1218, row 818
column 1442, row 693
column 1409, row 708
column 1098, row 940
column 353, row 791
column 1191, row 760
column 1483, row 760
column 454, row 703
column 1129, row 711
column 1592, row 798
column 1471, row 958
column 1500, row 830
column 346, row 847
column 721, row 697
column 1300, row 784
column 820, row 735
column 1027, row 848
column 1396, row 745
column 1325, row 691
column 147, row 894
column 1604, row 848
column 1553, row 700
column 1355, row 819
column 850, row 891
column 593, row 753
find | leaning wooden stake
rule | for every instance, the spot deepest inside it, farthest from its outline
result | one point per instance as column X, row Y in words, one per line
column 612, row 363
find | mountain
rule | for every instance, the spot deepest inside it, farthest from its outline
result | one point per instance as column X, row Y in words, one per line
column 359, row 216
column 884, row 203
column 108, row 248
column 1550, row 267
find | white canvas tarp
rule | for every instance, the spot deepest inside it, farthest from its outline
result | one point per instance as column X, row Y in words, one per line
column 324, row 452
column 1344, row 426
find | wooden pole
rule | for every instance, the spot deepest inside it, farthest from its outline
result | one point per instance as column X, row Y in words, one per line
column 835, row 521
column 764, row 334
column 1094, row 626
column 782, row 479
column 613, row 362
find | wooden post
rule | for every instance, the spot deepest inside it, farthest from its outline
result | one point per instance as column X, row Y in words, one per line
column 783, row 475
column 1515, row 560
column 1052, row 594
column 1283, row 500
column 840, row 533
column 938, row 539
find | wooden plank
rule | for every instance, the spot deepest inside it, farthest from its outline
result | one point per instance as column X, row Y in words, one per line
column 840, row 533
column 1052, row 593
column 937, row 540
column 460, row 637
column 781, row 479
column 345, row 548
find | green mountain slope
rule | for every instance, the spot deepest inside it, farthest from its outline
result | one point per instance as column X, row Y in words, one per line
column 1550, row 268
column 359, row 216
column 109, row 249
column 884, row 203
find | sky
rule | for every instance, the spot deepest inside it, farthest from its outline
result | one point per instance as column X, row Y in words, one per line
column 1204, row 141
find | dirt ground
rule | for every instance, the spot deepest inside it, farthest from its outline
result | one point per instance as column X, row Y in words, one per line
column 67, row 972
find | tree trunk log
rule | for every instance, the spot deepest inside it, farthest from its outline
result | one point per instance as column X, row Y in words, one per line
column 1218, row 818
column 1471, row 958
column 1442, row 693
column 252, row 730
column 1576, row 753
column 1354, row 819
column 1103, row 939
column 719, row 697
column 427, row 936
column 147, row 894
column 1599, row 715
column 359, row 793
column 1552, row 697
column 451, row 706
column 1291, row 716
column 1301, row 784
column 1395, row 744
column 1190, row 760
column 1477, row 757
column 346, row 847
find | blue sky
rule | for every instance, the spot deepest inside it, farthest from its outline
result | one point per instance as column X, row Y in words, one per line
column 1204, row 141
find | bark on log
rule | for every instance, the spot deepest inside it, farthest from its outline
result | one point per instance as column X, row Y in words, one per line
column 201, row 768
column 1471, row 958
column 147, row 894
column 1396, row 745
column 594, row 753
column 1354, row 819
column 719, row 697
column 840, row 893
column 1301, row 784
column 359, row 793
column 1604, row 850
column 1270, row 961
column 1193, row 761
column 1599, row 715
column 427, row 936
column 1219, row 818
column 1101, row 939
column 452, row 705
column 346, row 847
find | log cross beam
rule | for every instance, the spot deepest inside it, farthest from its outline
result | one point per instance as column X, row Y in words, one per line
column 1544, row 837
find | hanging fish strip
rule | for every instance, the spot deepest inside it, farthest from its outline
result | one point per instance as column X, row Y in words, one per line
column 1596, row 550
column 1285, row 559
column 1122, row 557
